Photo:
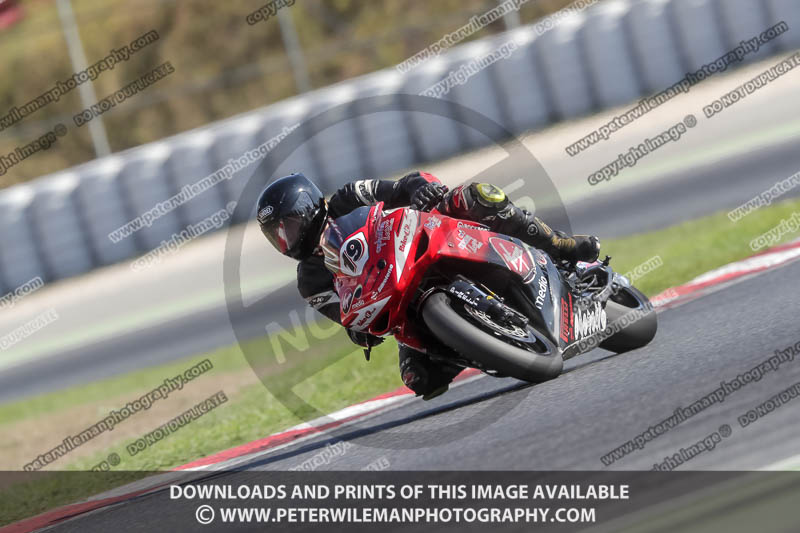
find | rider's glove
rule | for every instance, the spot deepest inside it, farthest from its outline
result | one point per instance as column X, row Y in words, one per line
column 365, row 340
column 428, row 195
column 587, row 249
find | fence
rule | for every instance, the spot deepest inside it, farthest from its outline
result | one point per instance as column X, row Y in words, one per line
column 611, row 54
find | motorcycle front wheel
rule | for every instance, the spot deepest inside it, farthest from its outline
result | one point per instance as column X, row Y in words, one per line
column 522, row 354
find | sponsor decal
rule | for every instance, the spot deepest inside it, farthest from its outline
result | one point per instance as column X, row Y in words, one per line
column 468, row 242
column 356, row 295
column 516, row 258
column 385, row 279
column 320, row 299
column 265, row 213
column 364, row 317
column 589, row 321
column 346, row 301
column 433, row 222
column 459, row 199
column 384, row 234
column 543, row 285
column 402, row 240
column 566, row 319
column 506, row 213
column 406, row 235
column 541, row 259
column 461, row 295
column 354, row 255
column 364, row 192
column 478, row 227
column 533, row 229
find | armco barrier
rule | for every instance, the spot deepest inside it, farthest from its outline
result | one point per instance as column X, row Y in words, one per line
column 612, row 53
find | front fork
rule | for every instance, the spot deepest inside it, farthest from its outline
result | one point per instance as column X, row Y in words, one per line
column 489, row 304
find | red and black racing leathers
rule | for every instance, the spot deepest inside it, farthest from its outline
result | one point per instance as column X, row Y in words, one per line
column 476, row 202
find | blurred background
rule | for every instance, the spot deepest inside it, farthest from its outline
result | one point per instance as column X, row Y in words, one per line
column 223, row 67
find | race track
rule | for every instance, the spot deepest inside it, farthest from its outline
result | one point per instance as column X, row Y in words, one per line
column 653, row 205
column 601, row 400
column 570, row 422
column 115, row 322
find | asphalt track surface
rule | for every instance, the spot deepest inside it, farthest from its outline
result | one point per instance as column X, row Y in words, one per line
column 568, row 423
column 604, row 399
column 651, row 206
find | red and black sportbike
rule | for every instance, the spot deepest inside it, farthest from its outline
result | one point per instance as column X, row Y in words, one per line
column 457, row 291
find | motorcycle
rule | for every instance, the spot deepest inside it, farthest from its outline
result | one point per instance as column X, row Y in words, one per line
column 469, row 297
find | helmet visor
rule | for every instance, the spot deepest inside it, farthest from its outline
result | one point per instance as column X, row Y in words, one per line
column 285, row 234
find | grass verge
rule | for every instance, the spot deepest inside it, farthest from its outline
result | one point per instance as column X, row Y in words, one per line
column 686, row 250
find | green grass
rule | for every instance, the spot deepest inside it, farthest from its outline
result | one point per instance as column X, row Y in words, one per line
column 254, row 412
column 695, row 247
column 687, row 250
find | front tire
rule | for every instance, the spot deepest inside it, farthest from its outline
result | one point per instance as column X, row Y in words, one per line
column 490, row 349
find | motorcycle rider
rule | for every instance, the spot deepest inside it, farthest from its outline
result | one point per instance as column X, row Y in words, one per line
column 293, row 214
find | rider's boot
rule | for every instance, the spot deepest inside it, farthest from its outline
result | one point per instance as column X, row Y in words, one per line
column 424, row 377
column 488, row 204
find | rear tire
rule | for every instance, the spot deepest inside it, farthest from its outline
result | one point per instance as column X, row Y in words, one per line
column 488, row 349
column 640, row 331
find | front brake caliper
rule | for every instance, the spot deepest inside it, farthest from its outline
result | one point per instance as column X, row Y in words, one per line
column 485, row 303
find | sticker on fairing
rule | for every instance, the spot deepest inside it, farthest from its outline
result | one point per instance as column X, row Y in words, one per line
column 364, row 317
column 516, row 258
column 354, row 255
column 402, row 241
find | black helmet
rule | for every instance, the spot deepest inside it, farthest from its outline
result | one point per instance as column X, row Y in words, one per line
column 292, row 213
